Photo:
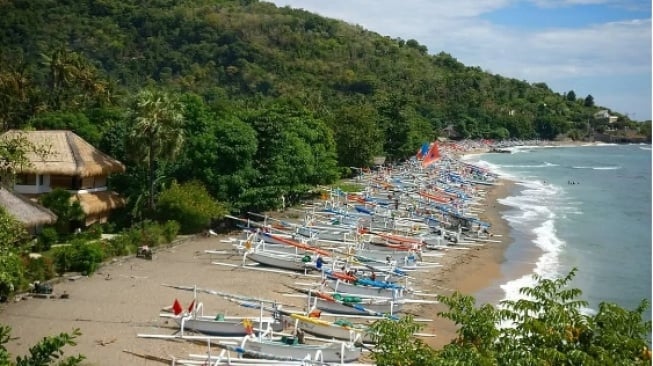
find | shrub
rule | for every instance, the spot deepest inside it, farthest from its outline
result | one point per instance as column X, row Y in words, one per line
column 170, row 230
column 46, row 238
column 79, row 257
column 59, row 201
column 49, row 351
column 190, row 205
column 547, row 327
column 93, row 232
column 12, row 277
column 120, row 245
column 39, row 269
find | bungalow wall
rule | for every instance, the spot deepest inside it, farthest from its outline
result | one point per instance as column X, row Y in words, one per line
column 38, row 184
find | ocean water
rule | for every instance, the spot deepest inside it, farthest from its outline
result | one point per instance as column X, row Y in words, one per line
column 585, row 207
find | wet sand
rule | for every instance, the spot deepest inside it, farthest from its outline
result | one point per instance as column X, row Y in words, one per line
column 125, row 296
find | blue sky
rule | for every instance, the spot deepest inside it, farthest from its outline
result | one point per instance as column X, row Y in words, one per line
column 597, row 47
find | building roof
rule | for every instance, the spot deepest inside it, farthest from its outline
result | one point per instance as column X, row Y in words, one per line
column 98, row 202
column 66, row 154
column 22, row 209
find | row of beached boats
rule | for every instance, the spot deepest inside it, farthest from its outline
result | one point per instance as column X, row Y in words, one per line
column 357, row 255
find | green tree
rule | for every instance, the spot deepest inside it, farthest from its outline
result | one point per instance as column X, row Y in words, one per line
column 14, row 155
column 295, row 152
column 190, row 205
column 68, row 211
column 546, row 327
column 12, row 276
column 74, row 121
column 156, row 135
column 571, row 96
column 589, row 101
column 48, row 351
column 358, row 137
column 396, row 344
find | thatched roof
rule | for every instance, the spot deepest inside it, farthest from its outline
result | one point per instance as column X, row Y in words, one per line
column 22, row 209
column 97, row 202
column 66, row 154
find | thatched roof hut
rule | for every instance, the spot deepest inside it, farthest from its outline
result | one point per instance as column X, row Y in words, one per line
column 65, row 154
column 31, row 214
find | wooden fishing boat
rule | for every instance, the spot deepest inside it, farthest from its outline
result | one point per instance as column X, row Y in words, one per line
column 288, row 262
column 373, row 308
column 226, row 327
column 291, row 349
column 340, row 329
column 388, row 290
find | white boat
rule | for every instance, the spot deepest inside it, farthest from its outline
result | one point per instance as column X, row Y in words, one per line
column 226, row 327
column 389, row 291
column 289, row 262
column 289, row 348
column 339, row 329
column 373, row 308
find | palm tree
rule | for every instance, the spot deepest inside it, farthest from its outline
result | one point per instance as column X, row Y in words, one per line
column 157, row 132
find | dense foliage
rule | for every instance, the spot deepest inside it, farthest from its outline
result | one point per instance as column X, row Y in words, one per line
column 256, row 102
column 546, row 327
column 68, row 211
column 12, row 275
column 190, row 205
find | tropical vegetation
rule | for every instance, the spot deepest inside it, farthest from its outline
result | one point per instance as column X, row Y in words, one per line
column 253, row 101
column 48, row 351
column 548, row 326
column 220, row 106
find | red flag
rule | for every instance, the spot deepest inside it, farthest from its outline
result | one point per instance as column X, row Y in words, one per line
column 432, row 155
column 191, row 307
column 176, row 307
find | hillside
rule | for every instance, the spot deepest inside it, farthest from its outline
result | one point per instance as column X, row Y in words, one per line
column 260, row 71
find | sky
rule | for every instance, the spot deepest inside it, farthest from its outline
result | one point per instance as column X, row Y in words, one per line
column 593, row 47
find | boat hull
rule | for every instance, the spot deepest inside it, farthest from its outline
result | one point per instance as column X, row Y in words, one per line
column 289, row 263
column 328, row 352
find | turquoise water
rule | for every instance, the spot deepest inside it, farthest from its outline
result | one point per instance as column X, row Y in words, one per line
column 600, row 225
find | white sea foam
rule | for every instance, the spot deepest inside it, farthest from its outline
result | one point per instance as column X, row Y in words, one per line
column 536, row 206
column 597, row 167
column 546, row 164
column 494, row 168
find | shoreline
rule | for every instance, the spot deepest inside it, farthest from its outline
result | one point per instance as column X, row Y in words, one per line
column 124, row 297
column 472, row 271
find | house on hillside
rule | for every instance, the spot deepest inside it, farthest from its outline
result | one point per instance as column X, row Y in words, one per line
column 450, row 132
column 605, row 116
column 70, row 163
column 32, row 215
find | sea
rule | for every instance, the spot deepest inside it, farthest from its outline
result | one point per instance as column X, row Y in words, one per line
column 583, row 207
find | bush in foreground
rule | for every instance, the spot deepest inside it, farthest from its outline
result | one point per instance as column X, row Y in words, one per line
column 545, row 328
column 48, row 351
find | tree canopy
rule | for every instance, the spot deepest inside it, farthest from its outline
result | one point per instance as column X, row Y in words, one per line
column 547, row 326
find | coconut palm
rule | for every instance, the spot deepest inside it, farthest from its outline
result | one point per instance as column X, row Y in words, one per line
column 157, row 132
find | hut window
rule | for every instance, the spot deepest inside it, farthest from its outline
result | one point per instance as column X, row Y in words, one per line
column 77, row 182
column 100, row 181
column 87, row 182
column 26, row 179
column 61, row 181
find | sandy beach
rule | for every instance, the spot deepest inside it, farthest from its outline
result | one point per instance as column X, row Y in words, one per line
column 124, row 298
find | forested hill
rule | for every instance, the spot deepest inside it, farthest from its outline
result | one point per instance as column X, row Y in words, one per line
column 76, row 64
